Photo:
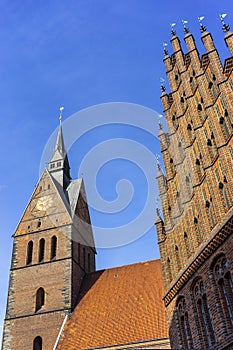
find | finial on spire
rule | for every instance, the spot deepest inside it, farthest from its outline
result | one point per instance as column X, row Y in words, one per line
column 172, row 25
column 162, row 81
column 186, row 30
column 225, row 27
column 159, row 116
column 60, row 117
column 157, row 156
column 202, row 27
column 165, row 49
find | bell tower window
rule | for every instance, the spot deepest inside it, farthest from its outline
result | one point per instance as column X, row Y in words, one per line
column 37, row 343
column 29, row 253
column 53, row 247
column 41, row 249
column 40, row 299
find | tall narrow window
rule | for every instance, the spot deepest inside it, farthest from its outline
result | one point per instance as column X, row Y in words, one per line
column 41, row 249
column 53, row 247
column 208, row 337
column 29, row 252
column 225, row 287
column 40, row 299
column 37, row 343
column 184, row 327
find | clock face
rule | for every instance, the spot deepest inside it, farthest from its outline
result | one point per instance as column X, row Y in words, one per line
column 44, row 203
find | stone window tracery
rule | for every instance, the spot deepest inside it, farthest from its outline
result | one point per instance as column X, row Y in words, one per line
column 184, row 326
column 225, row 288
column 204, row 318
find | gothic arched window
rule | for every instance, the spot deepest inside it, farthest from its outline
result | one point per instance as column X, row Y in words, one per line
column 37, row 343
column 41, row 249
column 29, row 253
column 184, row 327
column 40, row 299
column 225, row 287
column 53, row 247
column 203, row 314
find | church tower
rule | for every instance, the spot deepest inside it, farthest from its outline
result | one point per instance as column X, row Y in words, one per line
column 195, row 233
column 53, row 249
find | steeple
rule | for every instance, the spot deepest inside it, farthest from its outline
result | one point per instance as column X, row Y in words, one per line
column 59, row 165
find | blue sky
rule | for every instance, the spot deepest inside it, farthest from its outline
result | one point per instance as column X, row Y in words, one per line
column 80, row 53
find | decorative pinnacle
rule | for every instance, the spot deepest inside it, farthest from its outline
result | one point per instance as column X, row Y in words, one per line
column 162, row 81
column 164, row 49
column 158, row 212
column 172, row 25
column 159, row 117
column 202, row 27
column 225, row 27
column 157, row 156
column 60, row 117
column 186, row 30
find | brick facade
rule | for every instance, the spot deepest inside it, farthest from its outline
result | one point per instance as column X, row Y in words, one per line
column 196, row 194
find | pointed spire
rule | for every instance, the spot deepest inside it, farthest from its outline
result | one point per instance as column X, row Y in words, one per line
column 225, row 27
column 59, row 164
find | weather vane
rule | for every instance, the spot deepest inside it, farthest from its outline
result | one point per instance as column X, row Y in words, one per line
column 200, row 19
column 225, row 26
column 222, row 16
column 162, row 81
column 165, row 49
column 158, row 211
column 61, row 110
column 186, row 30
column 172, row 25
column 157, row 156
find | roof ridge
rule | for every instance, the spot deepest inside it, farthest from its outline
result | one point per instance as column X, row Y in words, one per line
column 123, row 266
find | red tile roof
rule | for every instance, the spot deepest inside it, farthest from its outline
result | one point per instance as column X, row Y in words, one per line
column 117, row 306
